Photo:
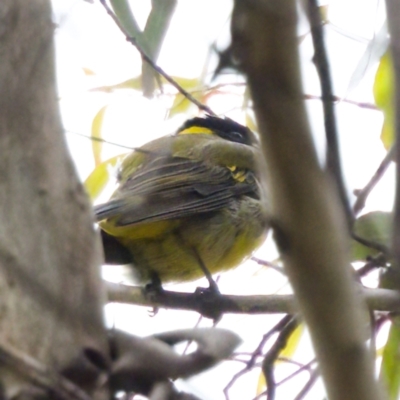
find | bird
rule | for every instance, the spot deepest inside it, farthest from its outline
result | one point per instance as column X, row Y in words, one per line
column 187, row 204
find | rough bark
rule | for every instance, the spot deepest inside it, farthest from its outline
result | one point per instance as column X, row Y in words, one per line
column 50, row 289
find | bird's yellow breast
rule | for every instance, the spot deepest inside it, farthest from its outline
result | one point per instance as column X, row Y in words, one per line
column 222, row 240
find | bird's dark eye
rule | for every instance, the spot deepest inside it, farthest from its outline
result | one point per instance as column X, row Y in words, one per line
column 233, row 136
column 237, row 137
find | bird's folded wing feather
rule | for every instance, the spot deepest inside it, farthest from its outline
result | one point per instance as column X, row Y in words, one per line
column 169, row 188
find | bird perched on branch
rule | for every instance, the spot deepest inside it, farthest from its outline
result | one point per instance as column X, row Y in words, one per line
column 187, row 203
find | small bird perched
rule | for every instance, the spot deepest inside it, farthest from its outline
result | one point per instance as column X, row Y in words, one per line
column 186, row 203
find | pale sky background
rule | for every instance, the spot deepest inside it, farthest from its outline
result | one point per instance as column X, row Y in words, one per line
column 86, row 37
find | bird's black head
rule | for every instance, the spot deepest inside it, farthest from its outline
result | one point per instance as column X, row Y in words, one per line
column 225, row 128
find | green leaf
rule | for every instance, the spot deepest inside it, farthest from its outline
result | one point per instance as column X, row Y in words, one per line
column 100, row 176
column 376, row 227
column 154, row 33
column 390, row 368
column 384, row 97
column 97, row 125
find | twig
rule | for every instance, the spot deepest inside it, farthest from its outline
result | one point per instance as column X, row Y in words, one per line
column 371, row 264
column 277, row 328
column 313, row 378
column 40, row 375
column 302, row 368
column 158, row 69
column 269, row 264
column 323, row 69
column 97, row 139
column 363, row 194
column 258, row 351
column 337, row 99
column 272, row 355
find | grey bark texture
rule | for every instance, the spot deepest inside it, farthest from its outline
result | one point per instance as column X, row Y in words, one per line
column 51, row 295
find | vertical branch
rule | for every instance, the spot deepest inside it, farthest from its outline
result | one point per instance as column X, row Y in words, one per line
column 309, row 221
column 323, row 69
column 393, row 16
column 51, row 293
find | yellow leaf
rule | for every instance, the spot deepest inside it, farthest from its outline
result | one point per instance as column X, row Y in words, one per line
column 133, row 83
column 261, row 384
column 186, row 83
column 136, row 84
column 88, row 71
column 180, row 105
column 384, row 97
column 250, row 122
column 97, row 145
column 292, row 343
column 246, row 105
column 100, row 177
column 323, row 10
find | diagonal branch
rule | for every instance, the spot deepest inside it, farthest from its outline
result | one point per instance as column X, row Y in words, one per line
column 363, row 194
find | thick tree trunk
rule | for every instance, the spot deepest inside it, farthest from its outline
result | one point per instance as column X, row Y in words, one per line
column 50, row 289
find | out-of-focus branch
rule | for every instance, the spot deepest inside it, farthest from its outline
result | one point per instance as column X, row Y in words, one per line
column 39, row 375
column 377, row 299
column 393, row 16
column 309, row 223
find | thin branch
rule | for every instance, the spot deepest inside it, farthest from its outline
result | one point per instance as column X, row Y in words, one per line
column 258, row 352
column 273, row 353
column 337, row 99
column 363, row 194
column 377, row 299
column 323, row 69
column 158, row 69
column 269, row 264
column 97, row 139
column 40, row 375
column 373, row 263
column 306, row 367
column 313, row 378
column 277, row 328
